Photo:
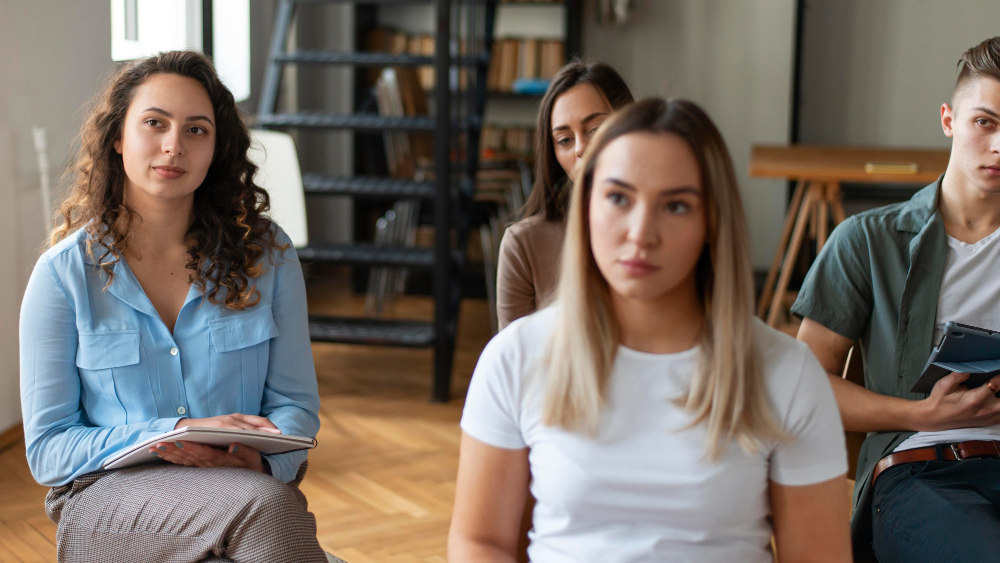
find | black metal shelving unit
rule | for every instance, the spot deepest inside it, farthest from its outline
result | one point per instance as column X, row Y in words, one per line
column 455, row 126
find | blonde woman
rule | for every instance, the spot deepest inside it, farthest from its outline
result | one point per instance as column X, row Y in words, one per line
column 652, row 416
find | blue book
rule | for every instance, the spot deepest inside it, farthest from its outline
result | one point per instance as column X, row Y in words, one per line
column 531, row 86
column 964, row 348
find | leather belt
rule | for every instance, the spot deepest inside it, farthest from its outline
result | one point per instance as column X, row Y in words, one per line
column 941, row 452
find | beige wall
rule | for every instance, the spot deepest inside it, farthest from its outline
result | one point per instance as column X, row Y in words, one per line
column 875, row 72
column 54, row 55
column 734, row 58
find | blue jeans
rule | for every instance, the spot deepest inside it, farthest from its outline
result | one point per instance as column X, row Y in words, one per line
column 938, row 511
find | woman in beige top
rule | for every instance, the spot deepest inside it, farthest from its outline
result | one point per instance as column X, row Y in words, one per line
column 582, row 95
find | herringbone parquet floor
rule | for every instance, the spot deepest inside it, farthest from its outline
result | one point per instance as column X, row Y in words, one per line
column 382, row 480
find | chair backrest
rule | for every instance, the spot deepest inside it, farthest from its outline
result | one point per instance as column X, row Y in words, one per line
column 279, row 173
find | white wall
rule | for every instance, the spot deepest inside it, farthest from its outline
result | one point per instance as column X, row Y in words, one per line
column 732, row 57
column 876, row 72
column 54, row 56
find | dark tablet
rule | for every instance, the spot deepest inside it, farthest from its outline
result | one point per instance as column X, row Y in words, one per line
column 964, row 348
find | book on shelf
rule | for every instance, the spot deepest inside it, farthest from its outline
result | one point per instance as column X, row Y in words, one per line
column 514, row 60
column 384, row 40
column 552, row 56
column 423, row 45
column 511, row 60
column 500, row 141
column 399, row 94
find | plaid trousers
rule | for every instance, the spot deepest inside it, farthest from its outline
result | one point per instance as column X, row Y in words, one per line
column 170, row 513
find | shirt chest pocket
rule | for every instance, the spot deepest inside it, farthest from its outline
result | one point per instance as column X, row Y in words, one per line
column 239, row 352
column 107, row 360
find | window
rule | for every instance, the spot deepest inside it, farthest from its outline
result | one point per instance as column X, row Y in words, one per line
column 140, row 28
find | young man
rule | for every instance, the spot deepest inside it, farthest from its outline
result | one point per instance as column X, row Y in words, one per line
column 890, row 278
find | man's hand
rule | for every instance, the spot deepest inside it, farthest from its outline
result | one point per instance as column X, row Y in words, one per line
column 952, row 405
column 193, row 454
column 237, row 421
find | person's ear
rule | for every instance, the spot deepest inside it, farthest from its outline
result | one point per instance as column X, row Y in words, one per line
column 118, row 145
column 947, row 120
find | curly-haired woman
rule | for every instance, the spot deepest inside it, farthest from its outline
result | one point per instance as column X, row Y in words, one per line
column 168, row 299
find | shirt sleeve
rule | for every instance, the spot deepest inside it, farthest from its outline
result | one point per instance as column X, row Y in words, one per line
column 492, row 405
column 515, row 288
column 291, row 394
column 837, row 291
column 61, row 443
column 814, row 450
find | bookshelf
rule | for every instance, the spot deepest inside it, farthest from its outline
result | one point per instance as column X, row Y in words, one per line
column 532, row 39
column 506, row 122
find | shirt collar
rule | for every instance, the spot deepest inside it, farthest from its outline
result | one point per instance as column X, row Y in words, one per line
column 920, row 208
column 126, row 287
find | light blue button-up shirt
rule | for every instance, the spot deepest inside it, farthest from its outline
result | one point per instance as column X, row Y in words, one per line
column 100, row 372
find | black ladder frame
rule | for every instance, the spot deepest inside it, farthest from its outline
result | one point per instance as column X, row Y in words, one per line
column 451, row 190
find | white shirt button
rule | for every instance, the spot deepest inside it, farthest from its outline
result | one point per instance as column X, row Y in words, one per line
column 173, row 351
column 181, row 410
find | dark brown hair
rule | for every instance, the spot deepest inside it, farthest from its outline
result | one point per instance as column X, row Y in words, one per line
column 981, row 60
column 229, row 227
column 548, row 196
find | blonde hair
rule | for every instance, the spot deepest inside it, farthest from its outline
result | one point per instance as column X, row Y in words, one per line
column 728, row 391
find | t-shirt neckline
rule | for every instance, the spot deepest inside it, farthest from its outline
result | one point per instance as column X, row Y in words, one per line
column 650, row 356
column 975, row 246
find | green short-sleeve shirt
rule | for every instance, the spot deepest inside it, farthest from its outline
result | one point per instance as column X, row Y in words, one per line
column 877, row 282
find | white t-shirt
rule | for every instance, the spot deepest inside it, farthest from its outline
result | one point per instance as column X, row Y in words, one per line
column 642, row 490
column 970, row 294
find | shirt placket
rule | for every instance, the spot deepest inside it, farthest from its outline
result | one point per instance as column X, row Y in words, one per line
column 166, row 351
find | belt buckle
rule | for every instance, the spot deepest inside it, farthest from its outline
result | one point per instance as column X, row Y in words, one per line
column 960, row 455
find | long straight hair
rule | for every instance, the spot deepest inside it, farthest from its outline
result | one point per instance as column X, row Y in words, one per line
column 549, row 194
column 728, row 391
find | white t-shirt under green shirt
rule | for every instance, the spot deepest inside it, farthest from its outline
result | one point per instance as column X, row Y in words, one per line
column 642, row 490
column 970, row 294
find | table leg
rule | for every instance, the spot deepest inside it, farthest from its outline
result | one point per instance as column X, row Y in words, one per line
column 786, row 233
column 802, row 219
column 822, row 220
column 836, row 202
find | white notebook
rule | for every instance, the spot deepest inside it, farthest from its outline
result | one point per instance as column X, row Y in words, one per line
column 263, row 442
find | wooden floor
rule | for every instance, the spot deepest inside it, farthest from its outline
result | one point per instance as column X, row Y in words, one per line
column 382, row 480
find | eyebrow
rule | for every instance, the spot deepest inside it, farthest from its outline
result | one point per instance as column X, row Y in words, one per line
column 590, row 117
column 668, row 191
column 987, row 111
column 166, row 113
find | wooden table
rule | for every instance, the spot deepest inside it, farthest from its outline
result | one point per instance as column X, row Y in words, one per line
column 819, row 171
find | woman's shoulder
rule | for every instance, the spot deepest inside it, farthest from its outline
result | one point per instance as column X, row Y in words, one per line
column 791, row 371
column 511, row 359
column 534, row 237
column 777, row 350
column 536, row 227
column 71, row 250
column 526, row 336
column 279, row 249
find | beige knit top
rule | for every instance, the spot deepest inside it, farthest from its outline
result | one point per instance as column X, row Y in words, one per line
column 528, row 270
